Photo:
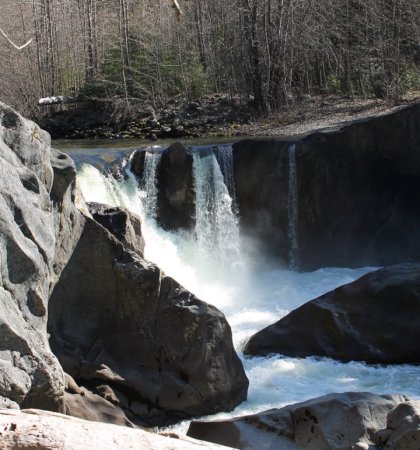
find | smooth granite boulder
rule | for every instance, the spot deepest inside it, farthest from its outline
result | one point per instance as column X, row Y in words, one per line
column 330, row 422
column 39, row 430
column 373, row 319
column 38, row 229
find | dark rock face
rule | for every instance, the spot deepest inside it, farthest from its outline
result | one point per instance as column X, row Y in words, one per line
column 176, row 198
column 124, row 225
column 175, row 184
column 116, row 321
column 331, row 422
column 373, row 319
column 137, row 163
column 261, row 183
column 38, row 229
column 358, row 190
column 82, row 403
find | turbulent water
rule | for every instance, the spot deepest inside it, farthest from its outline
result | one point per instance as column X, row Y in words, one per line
column 211, row 263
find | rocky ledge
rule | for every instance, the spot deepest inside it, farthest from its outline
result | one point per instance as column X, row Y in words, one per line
column 34, row 429
column 348, row 421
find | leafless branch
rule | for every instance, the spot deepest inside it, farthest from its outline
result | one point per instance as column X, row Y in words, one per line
column 17, row 47
column 178, row 11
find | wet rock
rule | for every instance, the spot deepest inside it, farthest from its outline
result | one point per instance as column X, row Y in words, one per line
column 357, row 187
column 176, row 197
column 331, row 422
column 120, row 222
column 137, row 163
column 373, row 319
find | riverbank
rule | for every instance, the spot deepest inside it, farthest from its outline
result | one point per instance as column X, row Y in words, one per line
column 212, row 116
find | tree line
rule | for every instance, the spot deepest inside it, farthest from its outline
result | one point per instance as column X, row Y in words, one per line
column 270, row 52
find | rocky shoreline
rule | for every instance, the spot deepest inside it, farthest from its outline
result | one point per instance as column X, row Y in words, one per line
column 216, row 115
column 208, row 117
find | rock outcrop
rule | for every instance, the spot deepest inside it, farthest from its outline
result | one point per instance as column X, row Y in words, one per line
column 175, row 184
column 123, row 224
column 37, row 234
column 373, row 319
column 176, row 196
column 35, row 429
column 332, row 422
column 358, row 187
column 403, row 428
column 119, row 326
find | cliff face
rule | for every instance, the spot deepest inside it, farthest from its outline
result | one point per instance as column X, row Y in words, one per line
column 38, row 229
column 145, row 349
column 357, row 188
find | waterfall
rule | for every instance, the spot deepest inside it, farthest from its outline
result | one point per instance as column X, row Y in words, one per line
column 105, row 188
column 216, row 228
column 148, row 184
column 224, row 156
column 292, row 208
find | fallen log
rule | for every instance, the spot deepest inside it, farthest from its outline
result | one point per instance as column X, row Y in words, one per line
column 57, row 100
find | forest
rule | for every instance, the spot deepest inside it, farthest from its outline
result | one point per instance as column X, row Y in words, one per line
column 269, row 53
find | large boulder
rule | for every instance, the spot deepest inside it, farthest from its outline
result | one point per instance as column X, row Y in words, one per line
column 34, row 429
column 358, row 186
column 373, row 319
column 38, row 229
column 332, row 422
column 120, row 327
column 176, row 195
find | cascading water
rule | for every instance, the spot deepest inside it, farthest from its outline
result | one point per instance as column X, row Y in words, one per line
column 224, row 156
column 292, row 208
column 250, row 300
column 149, row 183
column 216, row 226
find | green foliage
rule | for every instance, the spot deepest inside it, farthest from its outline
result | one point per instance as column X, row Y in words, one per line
column 154, row 71
column 333, row 84
column 94, row 89
column 198, row 83
column 409, row 78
